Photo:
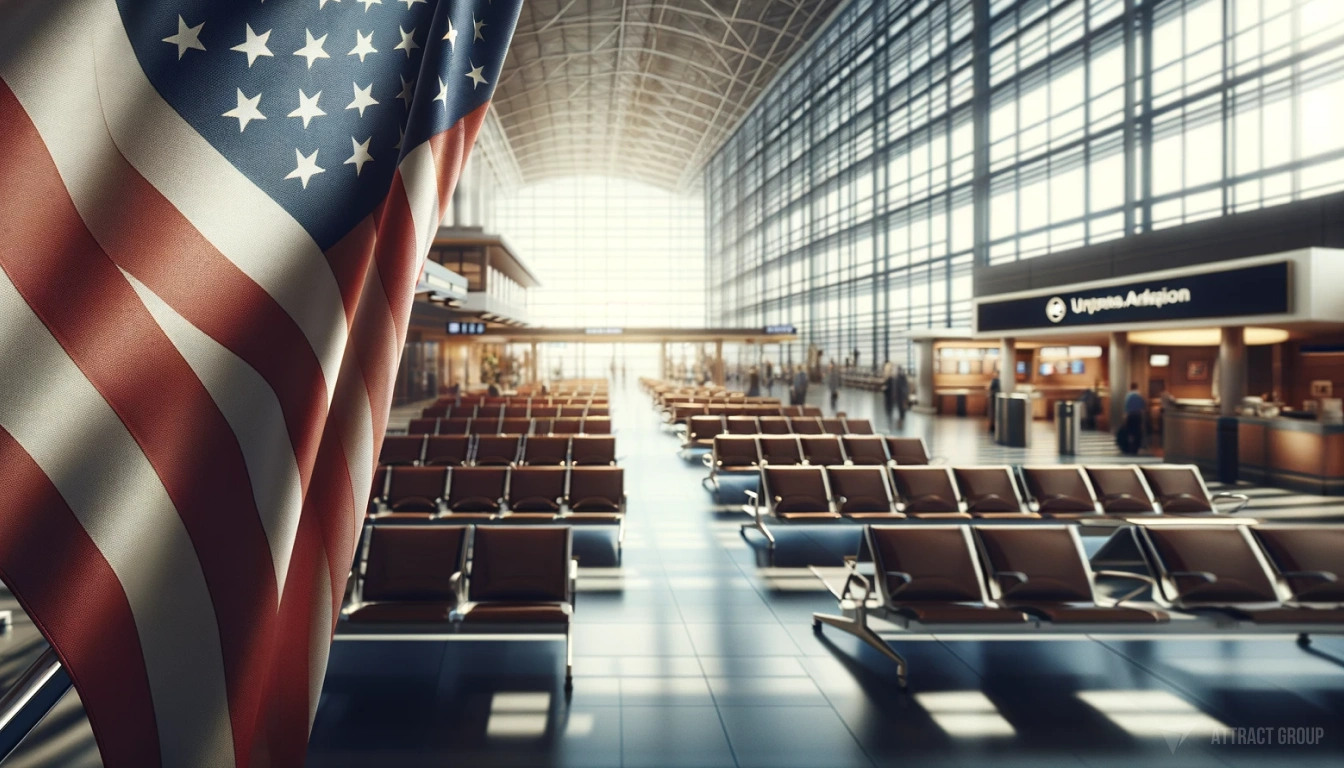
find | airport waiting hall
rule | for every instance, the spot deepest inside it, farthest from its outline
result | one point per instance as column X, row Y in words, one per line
column 787, row 384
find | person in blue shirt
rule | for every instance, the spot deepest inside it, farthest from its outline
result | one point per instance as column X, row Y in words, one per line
column 1132, row 434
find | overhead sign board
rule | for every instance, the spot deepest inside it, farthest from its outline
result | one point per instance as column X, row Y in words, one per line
column 465, row 329
column 603, row 331
column 1264, row 289
column 780, row 330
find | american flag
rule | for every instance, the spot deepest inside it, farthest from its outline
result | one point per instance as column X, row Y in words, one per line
column 212, row 217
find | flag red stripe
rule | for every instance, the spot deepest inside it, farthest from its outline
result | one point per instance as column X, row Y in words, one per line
column 398, row 261
column 349, row 259
column 91, row 626
column 149, row 238
column 94, row 313
column 451, row 150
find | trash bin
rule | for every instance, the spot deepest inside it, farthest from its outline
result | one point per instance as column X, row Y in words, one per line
column 1012, row 419
column 1068, row 426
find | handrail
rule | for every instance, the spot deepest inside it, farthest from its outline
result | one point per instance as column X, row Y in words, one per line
column 30, row 699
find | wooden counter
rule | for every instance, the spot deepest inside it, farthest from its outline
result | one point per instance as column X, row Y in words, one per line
column 1305, row 456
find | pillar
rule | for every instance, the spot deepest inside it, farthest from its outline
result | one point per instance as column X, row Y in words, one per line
column 662, row 360
column 1231, row 370
column 1007, row 366
column 924, row 397
column 533, row 365
column 718, row 362
column 1118, row 364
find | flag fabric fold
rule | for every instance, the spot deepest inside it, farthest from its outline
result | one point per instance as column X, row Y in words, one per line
column 212, row 218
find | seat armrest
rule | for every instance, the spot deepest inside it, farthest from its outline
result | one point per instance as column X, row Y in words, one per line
column 1242, row 501
column 1324, row 579
column 906, row 580
column 707, row 459
column 1018, row 576
column 1148, row 582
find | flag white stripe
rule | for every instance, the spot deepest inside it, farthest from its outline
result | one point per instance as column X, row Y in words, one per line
column 254, row 413
column 420, row 177
column 78, row 441
column 319, row 635
column 355, row 432
column 78, row 59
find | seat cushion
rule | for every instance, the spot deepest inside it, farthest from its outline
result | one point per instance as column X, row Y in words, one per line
column 398, row 613
column 938, row 515
column 592, row 518
column 953, row 613
column 516, row 613
column 1092, row 614
column 1295, row 616
column 807, row 515
column 1010, row 515
column 875, row 515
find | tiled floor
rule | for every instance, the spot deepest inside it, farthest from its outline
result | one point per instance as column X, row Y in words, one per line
column 692, row 654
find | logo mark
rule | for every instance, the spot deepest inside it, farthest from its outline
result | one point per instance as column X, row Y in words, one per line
column 1056, row 309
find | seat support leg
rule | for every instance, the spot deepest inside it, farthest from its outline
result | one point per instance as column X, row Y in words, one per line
column 569, row 660
column 1303, row 640
column 858, row 627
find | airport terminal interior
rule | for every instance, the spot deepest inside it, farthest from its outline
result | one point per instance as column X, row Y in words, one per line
column 830, row 383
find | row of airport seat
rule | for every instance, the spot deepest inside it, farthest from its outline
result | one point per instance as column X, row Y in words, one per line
column 1064, row 492
column 517, row 494
column 681, row 413
column 430, row 579
column 514, row 409
column 501, row 425
column 735, row 454
column 498, row 450
column 701, row 430
column 1023, row 580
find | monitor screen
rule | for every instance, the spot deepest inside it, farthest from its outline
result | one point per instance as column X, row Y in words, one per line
column 1159, row 361
column 1022, row 366
column 1076, row 367
column 1047, row 369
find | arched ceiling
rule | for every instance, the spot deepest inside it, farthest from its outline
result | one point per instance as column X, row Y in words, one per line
column 642, row 89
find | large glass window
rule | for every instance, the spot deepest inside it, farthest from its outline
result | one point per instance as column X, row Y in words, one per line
column 609, row 253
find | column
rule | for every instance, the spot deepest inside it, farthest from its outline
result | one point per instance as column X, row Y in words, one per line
column 1231, row 370
column 662, row 360
column 718, row 362
column 1118, row 364
column 1007, row 367
column 533, row 365
column 924, row 397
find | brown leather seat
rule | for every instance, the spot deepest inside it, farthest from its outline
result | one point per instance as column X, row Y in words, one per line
column 1210, row 567
column 597, row 410
column 734, row 453
column 515, row 425
column 861, row 492
column 411, row 573
column 806, row 425
column 476, row 491
column 1042, row 570
column 545, row 450
column 520, row 575
column 484, row 425
column 779, row 450
column 1179, row 489
column 810, row 411
column 797, row 493
column 775, row 425
column 866, row 450
column 593, row 451
column 490, row 411
column 990, row 492
column 454, row 426
column 423, row 426
column 1060, row 491
column 401, row 450
column 536, row 489
column 927, row 492
column 416, row 489
column 596, row 426
column 907, row 451
column 437, row 411
column 566, row 426
column 447, row 450
column 596, row 489
column 1309, row 559
column 496, row 450
column 572, row 411
column 1121, row 490
column 822, row 450
column 833, row 426
column 701, row 431
column 859, row 426
column 742, row 425
column 930, row 573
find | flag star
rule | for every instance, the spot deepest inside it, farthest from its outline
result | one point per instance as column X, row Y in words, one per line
column 407, row 91
column 186, row 37
column 443, row 92
column 308, row 108
column 254, row 45
column 361, row 154
column 475, row 75
column 363, row 46
column 246, row 111
column 479, row 25
column 312, row 50
column 323, row 3
column 451, row 35
column 407, row 41
column 363, row 98
column 368, row 3
column 306, row 167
